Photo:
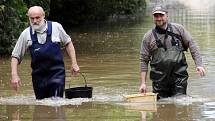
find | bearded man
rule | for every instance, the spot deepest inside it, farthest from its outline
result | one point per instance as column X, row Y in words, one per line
column 163, row 46
column 43, row 39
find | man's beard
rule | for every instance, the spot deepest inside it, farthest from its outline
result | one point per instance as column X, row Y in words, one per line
column 38, row 26
column 160, row 23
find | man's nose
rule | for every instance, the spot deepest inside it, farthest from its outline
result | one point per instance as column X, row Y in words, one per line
column 34, row 20
column 158, row 18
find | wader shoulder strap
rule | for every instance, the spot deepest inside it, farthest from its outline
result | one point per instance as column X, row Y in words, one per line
column 158, row 42
column 174, row 42
column 49, row 31
column 33, row 36
column 171, row 33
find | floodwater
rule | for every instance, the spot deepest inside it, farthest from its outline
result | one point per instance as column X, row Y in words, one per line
column 108, row 55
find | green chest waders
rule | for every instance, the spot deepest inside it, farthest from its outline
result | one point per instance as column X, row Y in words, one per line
column 168, row 69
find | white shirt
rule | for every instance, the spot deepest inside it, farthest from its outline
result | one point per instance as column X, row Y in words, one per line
column 24, row 41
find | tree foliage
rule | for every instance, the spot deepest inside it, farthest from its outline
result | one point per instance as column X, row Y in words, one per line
column 45, row 4
column 13, row 20
column 84, row 11
column 68, row 12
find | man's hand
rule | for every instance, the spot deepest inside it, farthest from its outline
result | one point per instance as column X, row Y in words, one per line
column 15, row 82
column 75, row 69
column 142, row 88
column 200, row 70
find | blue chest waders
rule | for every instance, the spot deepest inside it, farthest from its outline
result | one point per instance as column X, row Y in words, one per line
column 168, row 69
column 48, row 72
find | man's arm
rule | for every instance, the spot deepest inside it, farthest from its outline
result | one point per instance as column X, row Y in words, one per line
column 194, row 50
column 65, row 38
column 142, row 88
column 16, row 58
column 71, row 52
column 197, row 58
column 144, row 60
column 15, row 80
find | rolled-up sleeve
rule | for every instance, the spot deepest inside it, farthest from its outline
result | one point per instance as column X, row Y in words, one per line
column 20, row 47
column 65, row 38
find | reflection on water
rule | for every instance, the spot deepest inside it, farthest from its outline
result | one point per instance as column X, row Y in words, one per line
column 109, row 57
column 55, row 101
column 171, row 112
column 15, row 113
column 33, row 113
column 184, row 100
column 46, row 113
column 98, row 112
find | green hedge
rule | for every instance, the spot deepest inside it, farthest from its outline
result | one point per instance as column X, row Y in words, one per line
column 68, row 12
column 76, row 12
column 12, row 22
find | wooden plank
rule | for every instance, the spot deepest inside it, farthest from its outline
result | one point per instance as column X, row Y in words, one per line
column 135, row 106
column 141, row 102
column 142, row 97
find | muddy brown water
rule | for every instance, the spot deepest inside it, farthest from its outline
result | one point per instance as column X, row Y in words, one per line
column 108, row 55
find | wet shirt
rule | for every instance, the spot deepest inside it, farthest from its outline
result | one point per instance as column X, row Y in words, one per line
column 24, row 41
column 149, row 44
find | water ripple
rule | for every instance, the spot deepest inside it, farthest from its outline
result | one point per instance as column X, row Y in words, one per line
column 27, row 100
column 184, row 100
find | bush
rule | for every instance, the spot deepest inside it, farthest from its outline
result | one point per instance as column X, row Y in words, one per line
column 75, row 12
column 13, row 14
column 68, row 12
column 45, row 4
column 14, row 21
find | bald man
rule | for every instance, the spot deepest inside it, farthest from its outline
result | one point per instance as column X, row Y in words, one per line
column 43, row 39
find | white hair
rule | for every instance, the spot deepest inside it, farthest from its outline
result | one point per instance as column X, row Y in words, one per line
column 35, row 8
